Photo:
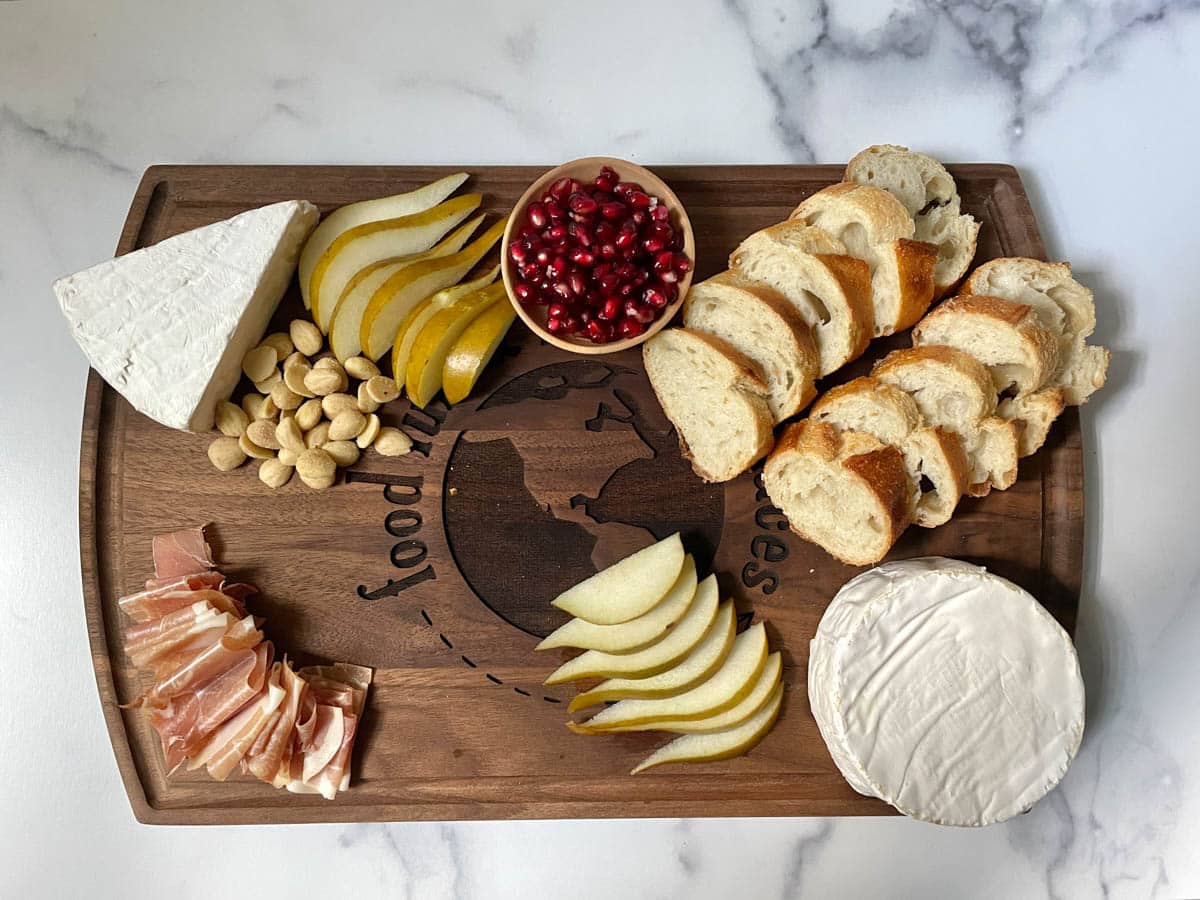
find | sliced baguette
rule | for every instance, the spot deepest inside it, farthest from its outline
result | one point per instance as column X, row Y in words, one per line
column 1064, row 305
column 847, row 492
column 1005, row 336
column 929, row 194
column 955, row 391
column 889, row 414
column 1037, row 412
column 763, row 326
column 875, row 227
column 714, row 396
column 828, row 288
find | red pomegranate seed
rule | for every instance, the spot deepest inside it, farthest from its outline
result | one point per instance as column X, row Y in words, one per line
column 542, row 257
column 582, row 204
column 555, row 212
column 570, row 325
column 613, row 210
column 670, row 291
column 608, row 251
column 578, row 283
column 639, row 199
column 555, row 232
column 660, row 213
column 558, row 311
column 626, row 238
column 560, row 188
column 517, row 251
column 652, row 244
column 607, row 179
column 599, row 332
column 554, row 324
column 662, row 231
column 609, row 281
column 655, row 297
column 611, row 309
column 682, row 263
column 536, row 214
column 627, row 289
column 639, row 217
column 668, row 277
column 530, row 272
column 582, row 257
column 664, row 261
column 631, row 328
column 626, row 187
column 523, row 291
column 639, row 311
column 562, row 289
column 677, row 241
column 581, row 233
column 606, row 231
column 557, row 268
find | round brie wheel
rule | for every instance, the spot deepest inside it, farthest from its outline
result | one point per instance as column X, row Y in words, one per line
column 946, row 691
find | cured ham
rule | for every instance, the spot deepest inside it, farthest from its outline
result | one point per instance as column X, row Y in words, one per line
column 181, row 553
column 218, row 699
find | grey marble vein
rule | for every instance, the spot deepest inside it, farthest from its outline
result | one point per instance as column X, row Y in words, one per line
column 800, row 853
column 83, row 147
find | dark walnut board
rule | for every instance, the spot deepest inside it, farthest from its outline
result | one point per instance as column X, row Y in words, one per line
column 438, row 568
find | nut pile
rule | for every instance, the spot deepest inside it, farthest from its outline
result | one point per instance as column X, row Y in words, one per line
column 305, row 416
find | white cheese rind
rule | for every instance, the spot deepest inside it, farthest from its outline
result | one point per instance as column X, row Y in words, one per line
column 945, row 691
column 167, row 326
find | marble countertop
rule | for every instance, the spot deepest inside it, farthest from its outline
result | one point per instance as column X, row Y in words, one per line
column 1094, row 104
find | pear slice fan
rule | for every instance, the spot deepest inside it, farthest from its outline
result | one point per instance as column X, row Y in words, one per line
column 670, row 655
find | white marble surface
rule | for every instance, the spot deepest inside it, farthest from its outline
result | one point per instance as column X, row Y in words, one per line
column 1096, row 105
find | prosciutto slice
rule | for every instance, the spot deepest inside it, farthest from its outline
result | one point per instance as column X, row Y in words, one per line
column 181, row 553
column 218, row 699
column 186, row 722
column 164, row 595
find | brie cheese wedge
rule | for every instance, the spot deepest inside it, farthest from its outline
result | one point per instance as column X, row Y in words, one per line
column 946, row 691
column 167, row 326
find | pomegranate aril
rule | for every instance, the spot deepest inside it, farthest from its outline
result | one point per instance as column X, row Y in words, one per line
column 677, row 241
column 560, row 188
column 682, row 263
column 668, row 277
column 638, row 311
column 570, row 325
column 530, row 272
column 536, row 214
column 542, row 257
column 607, row 179
column 664, row 261
column 523, row 291
column 605, row 231
column 662, row 231
column 631, row 328
column 599, row 332
column 639, row 217
column 554, row 324
column 526, row 231
column 581, row 233
column 582, row 257
column 611, row 309
column 608, row 251
column 555, row 232
column 652, row 244
column 609, row 281
column 670, row 291
column 517, row 250
column 555, row 212
column 582, row 204
column 626, row 238
column 627, row 289
column 562, row 289
column 577, row 283
column 655, row 297
column 558, row 311
column 626, row 187
column 613, row 210
column 639, row 199
column 660, row 213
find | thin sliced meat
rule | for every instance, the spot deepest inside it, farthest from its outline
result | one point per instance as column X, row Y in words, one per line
column 150, row 641
column 327, row 738
column 181, row 553
column 238, row 590
column 230, row 743
column 188, row 720
column 164, row 595
column 336, row 775
column 225, row 653
column 266, row 763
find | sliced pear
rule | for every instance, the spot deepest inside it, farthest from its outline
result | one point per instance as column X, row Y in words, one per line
column 768, row 678
column 396, row 297
column 426, row 310
column 635, row 633
column 728, row 686
column 352, row 215
column 627, row 589
column 716, row 745
column 423, row 377
column 699, row 665
column 346, row 321
column 474, row 350
column 659, row 656
column 354, row 250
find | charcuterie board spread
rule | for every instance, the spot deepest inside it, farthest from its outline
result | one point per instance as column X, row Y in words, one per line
column 482, row 490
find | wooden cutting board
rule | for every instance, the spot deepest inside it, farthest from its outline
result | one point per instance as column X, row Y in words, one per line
column 438, row 568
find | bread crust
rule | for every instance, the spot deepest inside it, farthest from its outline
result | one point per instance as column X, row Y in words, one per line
column 949, row 447
column 878, row 466
column 1043, row 346
column 916, row 260
column 789, row 319
column 854, row 278
column 940, row 355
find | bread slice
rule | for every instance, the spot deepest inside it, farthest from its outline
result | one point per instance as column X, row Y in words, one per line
column 929, row 194
column 830, row 289
column 1037, row 412
column 1065, row 307
column 1005, row 336
column 764, row 327
column 934, row 456
column 847, row 492
column 715, row 398
column 875, row 227
column 954, row 390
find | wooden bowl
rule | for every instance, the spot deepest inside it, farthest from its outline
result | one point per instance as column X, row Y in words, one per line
column 585, row 170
